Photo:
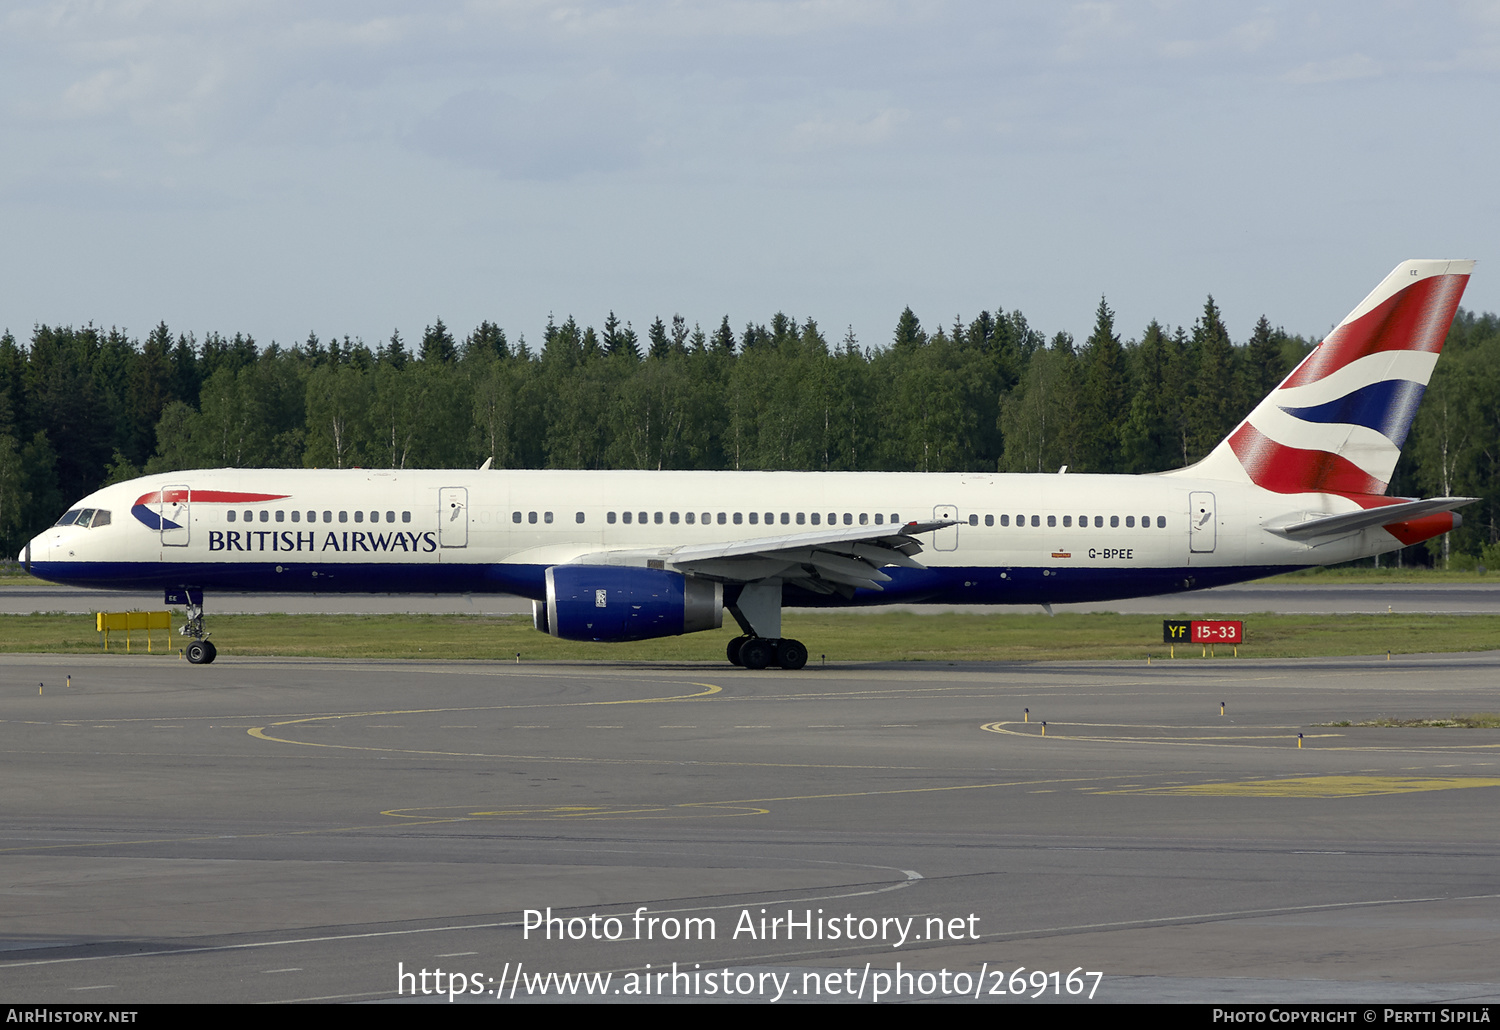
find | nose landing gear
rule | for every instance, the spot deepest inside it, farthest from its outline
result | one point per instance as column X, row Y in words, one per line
column 200, row 650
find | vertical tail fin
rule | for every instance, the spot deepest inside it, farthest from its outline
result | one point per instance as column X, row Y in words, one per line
column 1337, row 423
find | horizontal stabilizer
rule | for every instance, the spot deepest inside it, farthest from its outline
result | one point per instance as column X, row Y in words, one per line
column 1385, row 515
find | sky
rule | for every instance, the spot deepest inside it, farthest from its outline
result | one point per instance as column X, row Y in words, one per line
column 353, row 168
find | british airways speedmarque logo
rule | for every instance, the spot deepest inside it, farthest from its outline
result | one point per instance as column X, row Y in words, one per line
column 157, row 509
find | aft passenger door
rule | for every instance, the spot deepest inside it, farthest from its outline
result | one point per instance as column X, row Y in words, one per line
column 453, row 516
column 1202, row 522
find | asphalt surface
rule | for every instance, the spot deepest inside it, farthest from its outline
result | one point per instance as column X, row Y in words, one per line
column 282, row 830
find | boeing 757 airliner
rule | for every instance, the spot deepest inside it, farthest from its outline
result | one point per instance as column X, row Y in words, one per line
column 632, row 555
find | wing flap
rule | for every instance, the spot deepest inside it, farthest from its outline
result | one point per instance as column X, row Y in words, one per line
column 837, row 560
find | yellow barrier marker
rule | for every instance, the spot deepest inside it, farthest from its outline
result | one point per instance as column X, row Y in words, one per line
column 107, row 622
column 1299, row 740
column 1026, row 715
column 1044, row 727
column 1221, row 707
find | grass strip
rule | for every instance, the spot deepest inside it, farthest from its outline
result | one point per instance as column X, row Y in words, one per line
column 842, row 637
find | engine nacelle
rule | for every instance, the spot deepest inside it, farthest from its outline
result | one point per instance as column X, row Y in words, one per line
column 612, row 602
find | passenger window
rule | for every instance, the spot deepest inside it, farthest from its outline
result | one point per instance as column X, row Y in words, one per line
column 1067, row 521
column 1161, row 522
column 626, row 516
column 1114, row 522
column 1005, row 521
column 1051, row 521
column 296, row 516
column 1036, row 520
column 229, row 516
column 359, row 516
column 1098, row 521
column 280, row 515
column 578, row 518
column 880, row 518
column 672, row 518
column 610, row 518
column 848, row 519
column 707, row 518
column 989, row 520
column 658, row 518
column 689, row 516
column 817, row 519
column 786, row 518
column 801, row 518
column 721, row 518
column 531, row 517
column 1129, row 521
column 547, row 517
column 390, row 516
column 973, row 520
column 641, row 517
column 738, row 518
column 754, row 518
column 406, row 516
column 515, row 516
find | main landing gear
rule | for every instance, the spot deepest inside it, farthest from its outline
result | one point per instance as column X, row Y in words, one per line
column 200, row 650
column 758, row 652
column 757, row 609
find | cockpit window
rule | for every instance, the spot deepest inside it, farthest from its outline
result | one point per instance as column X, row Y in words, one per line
column 84, row 517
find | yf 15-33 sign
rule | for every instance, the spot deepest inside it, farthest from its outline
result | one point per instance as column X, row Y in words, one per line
column 1182, row 631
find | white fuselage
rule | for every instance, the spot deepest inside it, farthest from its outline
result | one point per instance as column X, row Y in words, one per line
column 1014, row 538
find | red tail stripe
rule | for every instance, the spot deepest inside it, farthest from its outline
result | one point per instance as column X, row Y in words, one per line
column 1291, row 470
column 1415, row 319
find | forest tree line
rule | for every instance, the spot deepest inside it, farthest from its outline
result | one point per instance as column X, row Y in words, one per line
column 81, row 408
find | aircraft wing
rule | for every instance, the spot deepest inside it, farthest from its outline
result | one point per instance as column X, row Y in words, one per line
column 825, row 562
column 1352, row 521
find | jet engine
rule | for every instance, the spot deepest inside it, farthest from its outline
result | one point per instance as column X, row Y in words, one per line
column 612, row 602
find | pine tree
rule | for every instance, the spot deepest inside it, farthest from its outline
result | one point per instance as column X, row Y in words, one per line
column 438, row 344
column 658, row 336
column 1104, row 401
column 909, row 331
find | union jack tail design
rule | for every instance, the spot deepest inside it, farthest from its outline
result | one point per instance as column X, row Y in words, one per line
column 1337, row 423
